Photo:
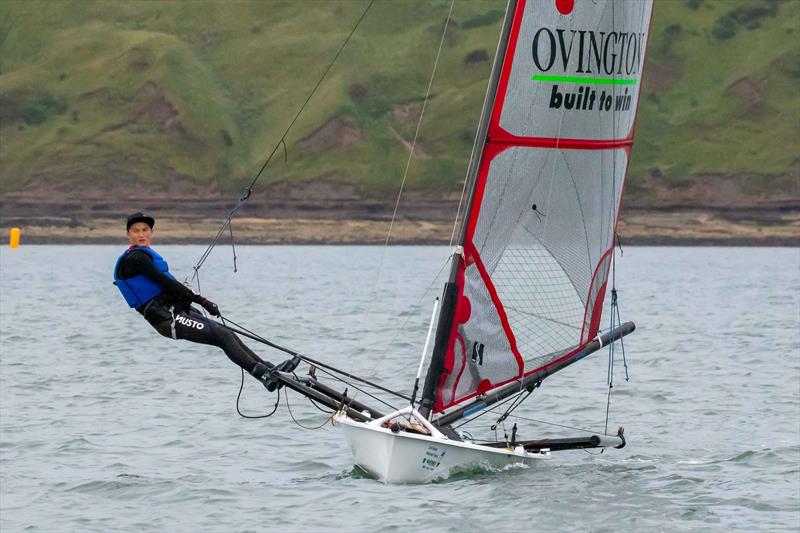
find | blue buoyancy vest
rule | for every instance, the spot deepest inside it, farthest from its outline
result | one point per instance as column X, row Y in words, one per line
column 140, row 289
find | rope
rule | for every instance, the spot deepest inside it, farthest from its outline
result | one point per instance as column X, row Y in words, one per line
column 233, row 247
column 289, row 408
column 315, row 404
column 282, row 141
column 253, row 417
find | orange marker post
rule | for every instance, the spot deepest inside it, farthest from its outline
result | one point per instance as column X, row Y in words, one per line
column 14, row 240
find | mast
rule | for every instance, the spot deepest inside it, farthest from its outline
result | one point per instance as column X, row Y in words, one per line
column 450, row 291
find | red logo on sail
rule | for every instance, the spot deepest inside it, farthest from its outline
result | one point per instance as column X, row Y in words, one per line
column 565, row 7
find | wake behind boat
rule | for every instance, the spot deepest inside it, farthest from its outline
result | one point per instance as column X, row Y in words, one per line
column 530, row 267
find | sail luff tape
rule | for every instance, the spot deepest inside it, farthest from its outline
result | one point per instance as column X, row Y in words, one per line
column 13, row 241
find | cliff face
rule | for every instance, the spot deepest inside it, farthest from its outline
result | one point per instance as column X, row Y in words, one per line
column 119, row 101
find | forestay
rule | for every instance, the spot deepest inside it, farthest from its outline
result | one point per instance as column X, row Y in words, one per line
column 538, row 235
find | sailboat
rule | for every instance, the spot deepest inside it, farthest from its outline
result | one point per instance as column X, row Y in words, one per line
column 529, row 270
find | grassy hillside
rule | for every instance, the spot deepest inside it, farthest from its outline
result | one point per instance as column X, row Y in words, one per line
column 191, row 96
column 722, row 93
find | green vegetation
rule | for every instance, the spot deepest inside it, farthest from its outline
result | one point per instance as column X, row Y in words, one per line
column 92, row 92
column 717, row 102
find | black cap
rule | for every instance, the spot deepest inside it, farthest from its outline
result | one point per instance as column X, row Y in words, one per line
column 140, row 217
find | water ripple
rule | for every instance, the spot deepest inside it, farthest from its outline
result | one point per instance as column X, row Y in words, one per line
column 123, row 430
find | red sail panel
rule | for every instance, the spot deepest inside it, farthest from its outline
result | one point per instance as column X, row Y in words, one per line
column 547, row 193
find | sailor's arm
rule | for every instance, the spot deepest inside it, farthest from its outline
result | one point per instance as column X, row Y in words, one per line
column 141, row 263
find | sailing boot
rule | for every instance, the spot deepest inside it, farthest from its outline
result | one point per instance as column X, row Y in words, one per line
column 271, row 382
column 261, row 370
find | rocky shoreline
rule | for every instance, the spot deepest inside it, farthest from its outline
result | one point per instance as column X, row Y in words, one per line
column 321, row 214
column 637, row 227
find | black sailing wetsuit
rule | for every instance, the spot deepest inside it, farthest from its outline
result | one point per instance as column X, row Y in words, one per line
column 172, row 315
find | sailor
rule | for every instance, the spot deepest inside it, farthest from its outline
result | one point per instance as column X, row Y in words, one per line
column 143, row 278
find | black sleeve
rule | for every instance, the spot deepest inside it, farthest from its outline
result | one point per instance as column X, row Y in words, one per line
column 138, row 263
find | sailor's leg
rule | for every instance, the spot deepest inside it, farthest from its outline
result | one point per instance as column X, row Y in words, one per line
column 191, row 325
column 238, row 352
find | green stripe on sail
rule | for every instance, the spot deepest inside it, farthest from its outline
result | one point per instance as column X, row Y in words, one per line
column 574, row 79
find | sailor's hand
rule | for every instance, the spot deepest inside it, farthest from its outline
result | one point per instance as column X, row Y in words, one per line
column 211, row 307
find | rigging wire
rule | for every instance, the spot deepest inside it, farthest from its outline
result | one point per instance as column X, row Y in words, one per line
column 419, row 121
column 413, row 313
column 499, row 404
column 516, row 403
column 614, row 318
column 406, row 170
column 475, row 144
column 511, row 408
column 349, row 384
column 424, row 294
column 281, row 142
column 552, row 424
column 414, row 141
column 359, row 389
column 319, row 364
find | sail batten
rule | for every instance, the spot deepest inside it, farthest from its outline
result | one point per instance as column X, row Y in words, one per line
column 538, row 234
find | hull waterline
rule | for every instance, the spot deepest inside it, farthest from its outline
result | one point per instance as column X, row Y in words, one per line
column 405, row 457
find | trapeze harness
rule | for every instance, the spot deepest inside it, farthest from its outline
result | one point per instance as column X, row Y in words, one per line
column 143, row 278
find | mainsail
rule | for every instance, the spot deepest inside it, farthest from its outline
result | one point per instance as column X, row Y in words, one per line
column 528, row 283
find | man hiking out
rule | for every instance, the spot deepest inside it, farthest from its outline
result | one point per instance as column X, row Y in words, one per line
column 143, row 278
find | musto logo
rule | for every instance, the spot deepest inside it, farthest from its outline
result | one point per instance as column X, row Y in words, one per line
column 590, row 58
column 188, row 322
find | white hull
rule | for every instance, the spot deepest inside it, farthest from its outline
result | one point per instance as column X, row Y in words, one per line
column 405, row 457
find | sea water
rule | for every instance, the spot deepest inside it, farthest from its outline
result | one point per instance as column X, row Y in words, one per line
column 107, row 426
